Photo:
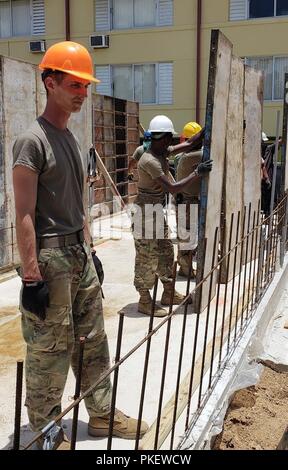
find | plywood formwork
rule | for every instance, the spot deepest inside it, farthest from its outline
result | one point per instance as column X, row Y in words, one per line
column 214, row 148
column 253, row 104
column 22, row 99
column 234, row 169
column 116, row 136
column 284, row 156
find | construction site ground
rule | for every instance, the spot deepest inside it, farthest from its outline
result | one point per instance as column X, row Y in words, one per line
column 117, row 255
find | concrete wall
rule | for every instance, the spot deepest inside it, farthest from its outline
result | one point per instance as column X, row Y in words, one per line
column 22, row 98
column 260, row 37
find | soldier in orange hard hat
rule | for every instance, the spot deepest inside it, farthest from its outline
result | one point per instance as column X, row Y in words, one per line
column 61, row 294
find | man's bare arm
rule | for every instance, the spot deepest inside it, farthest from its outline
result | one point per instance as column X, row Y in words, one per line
column 172, row 188
column 25, row 183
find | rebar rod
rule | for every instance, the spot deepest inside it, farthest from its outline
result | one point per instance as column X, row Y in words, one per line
column 115, row 380
column 146, row 363
column 77, row 393
column 166, row 347
column 18, row 404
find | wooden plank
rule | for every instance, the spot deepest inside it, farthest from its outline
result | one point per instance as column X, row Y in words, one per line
column 214, row 148
column 284, row 154
column 233, row 183
column 253, row 102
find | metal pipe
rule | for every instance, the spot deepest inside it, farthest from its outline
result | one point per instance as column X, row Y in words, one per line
column 77, row 393
column 18, row 403
column 67, row 20
column 198, row 58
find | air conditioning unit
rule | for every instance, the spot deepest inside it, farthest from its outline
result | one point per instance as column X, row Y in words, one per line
column 98, row 41
column 37, row 46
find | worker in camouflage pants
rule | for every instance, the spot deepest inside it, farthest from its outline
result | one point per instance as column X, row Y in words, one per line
column 154, row 250
column 60, row 299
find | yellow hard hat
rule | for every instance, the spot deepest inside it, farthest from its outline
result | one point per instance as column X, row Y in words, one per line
column 190, row 129
column 69, row 57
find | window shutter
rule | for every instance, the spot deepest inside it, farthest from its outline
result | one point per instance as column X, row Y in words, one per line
column 165, row 83
column 165, row 12
column 238, row 10
column 104, row 75
column 38, row 17
column 102, row 15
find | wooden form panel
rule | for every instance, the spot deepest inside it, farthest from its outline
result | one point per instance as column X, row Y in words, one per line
column 214, row 148
column 253, row 102
column 116, row 134
column 233, row 183
column 284, row 159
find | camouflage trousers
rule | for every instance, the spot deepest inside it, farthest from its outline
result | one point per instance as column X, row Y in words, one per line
column 187, row 226
column 154, row 250
column 52, row 345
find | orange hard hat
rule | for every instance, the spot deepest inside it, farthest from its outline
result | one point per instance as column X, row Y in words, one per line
column 69, row 57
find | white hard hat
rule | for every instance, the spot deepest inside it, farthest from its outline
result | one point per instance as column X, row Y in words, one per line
column 264, row 137
column 161, row 124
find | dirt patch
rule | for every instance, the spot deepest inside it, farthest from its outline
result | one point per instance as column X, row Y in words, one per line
column 12, row 346
column 257, row 416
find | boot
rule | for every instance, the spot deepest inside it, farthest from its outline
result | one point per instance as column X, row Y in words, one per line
column 184, row 272
column 145, row 305
column 165, row 299
column 123, row 426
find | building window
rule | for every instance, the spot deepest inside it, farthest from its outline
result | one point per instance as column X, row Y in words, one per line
column 274, row 69
column 21, row 18
column 130, row 14
column 267, row 8
column 145, row 83
column 251, row 9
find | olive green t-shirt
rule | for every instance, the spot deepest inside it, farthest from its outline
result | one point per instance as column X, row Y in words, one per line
column 138, row 153
column 187, row 163
column 149, row 169
column 54, row 154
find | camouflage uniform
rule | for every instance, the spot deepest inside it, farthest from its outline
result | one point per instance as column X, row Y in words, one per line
column 186, row 164
column 75, row 310
column 155, row 254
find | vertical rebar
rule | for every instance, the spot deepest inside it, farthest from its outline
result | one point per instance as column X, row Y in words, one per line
column 146, row 363
column 193, row 354
column 215, row 250
column 165, row 359
column 240, row 271
column 283, row 235
column 255, row 256
column 12, row 242
column 233, row 281
column 77, row 393
column 181, row 351
column 246, row 260
column 18, row 403
column 115, row 380
column 250, row 265
column 216, row 311
column 225, row 293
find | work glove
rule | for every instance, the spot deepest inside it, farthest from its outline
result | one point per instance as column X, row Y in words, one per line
column 98, row 267
column 35, row 297
column 204, row 167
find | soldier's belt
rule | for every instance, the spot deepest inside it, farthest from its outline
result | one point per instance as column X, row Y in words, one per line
column 61, row 241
